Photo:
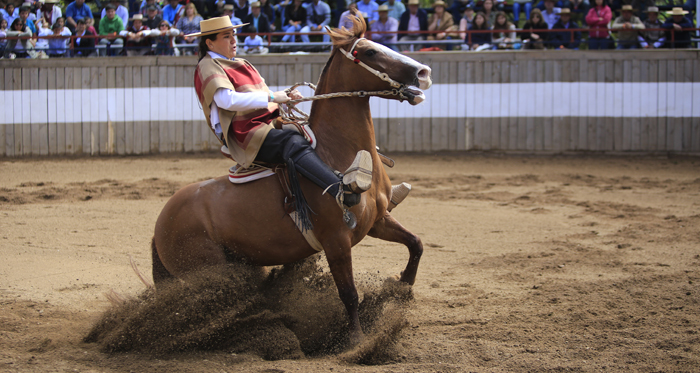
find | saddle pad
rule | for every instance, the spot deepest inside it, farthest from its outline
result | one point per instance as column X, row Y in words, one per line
column 242, row 176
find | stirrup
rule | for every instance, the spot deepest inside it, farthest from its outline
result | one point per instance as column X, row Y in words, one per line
column 359, row 175
column 398, row 194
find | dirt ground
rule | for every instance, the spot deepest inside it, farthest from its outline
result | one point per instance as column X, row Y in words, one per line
column 531, row 263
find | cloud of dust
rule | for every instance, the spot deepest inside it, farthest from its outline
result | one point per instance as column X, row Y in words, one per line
column 290, row 312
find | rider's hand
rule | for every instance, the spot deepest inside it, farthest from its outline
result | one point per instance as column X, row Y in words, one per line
column 295, row 95
column 280, row 97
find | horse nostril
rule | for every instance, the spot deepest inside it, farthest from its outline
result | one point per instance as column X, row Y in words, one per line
column 424, row 73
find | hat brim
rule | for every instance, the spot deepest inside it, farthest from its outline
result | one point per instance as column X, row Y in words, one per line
column 217, row 30
column 682, row 13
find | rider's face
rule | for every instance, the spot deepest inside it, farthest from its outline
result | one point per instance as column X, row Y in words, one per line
column 224, row 44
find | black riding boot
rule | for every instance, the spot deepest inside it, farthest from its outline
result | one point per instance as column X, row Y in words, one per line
column 307, row 162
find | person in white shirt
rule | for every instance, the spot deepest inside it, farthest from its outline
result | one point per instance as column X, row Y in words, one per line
column 550, row 15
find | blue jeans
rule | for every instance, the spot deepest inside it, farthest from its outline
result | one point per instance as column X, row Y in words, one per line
column 598, row 43
column 292, row 28
column 516, row 11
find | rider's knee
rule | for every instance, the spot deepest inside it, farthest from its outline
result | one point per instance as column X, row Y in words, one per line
column 295, row 146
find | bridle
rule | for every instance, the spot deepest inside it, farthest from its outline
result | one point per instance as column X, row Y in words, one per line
column 399, row 89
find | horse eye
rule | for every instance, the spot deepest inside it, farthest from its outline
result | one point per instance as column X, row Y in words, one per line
column 370, row 52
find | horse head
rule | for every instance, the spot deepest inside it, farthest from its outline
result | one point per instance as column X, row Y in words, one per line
column 378, row 68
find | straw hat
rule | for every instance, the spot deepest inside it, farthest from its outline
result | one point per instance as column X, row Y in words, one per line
column 677, row 12
column 137, row 17
column 255, row 4
column 228, row 7
column 627, row 8
column 566, row 11
column 413, row 2
column 56, row 2
column 215, row 25
column 383, row 8
column 439, row 3
column 652, row 9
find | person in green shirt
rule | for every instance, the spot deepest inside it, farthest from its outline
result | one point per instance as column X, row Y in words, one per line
column 110, row 27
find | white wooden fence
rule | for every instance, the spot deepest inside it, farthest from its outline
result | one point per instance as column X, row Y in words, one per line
column 525, row 102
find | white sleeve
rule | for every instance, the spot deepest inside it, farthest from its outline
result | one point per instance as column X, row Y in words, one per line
column 235, row 101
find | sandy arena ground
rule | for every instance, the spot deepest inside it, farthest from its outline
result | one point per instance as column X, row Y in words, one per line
column 580, row 264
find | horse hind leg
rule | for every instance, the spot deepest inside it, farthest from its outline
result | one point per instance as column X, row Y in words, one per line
column 389, row 229
column 160, row 274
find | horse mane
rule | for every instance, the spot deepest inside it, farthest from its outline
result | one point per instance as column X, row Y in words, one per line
column 343, row 37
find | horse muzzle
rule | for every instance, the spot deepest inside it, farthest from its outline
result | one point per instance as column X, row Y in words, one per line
column 423, row 81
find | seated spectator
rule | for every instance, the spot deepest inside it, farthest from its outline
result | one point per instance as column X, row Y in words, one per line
column 3, row 33
column 256, row 20
column 75, row 11
column 521, row 4
column 164, row 37
column 675, row 37
column 120, row 11
column 241, row 8
column 598, row 18
column 153, row 19
column 228, row 12
column 10, row 13
column 346, row 17
column 41, row 45
column 138, row 41
column 414, row 19
column 385, row 23
column 22, row 48
column 83, row 47
column 148, row 3
column 396, row 8
column 368, row 8
column 90, row 24
column 479, row 41
column 24, row 13
column 170, row 11
column 254, row 45
column 563, row 40
column 440, row 21
column 579, row 6
column 268, row 9
column 506, row 39
column 627, row 21
column 652, row 39
column 295, row 15
column 49, row 12
column 110, row 27
column 318, row 16
column 57, row 47
column 189, row 24
column 550, row 14
column 535, row 39
column 466, row 21
column 489, row 12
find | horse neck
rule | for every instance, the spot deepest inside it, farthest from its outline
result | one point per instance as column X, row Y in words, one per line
column 342, row 125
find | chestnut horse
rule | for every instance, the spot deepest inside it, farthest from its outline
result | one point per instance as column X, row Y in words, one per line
column 214, row 221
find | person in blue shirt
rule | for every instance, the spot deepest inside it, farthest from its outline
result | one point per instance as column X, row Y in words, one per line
column 368, row 8
column 318, row 16
column 256, row 20
column 75, row 11
column 171, row 11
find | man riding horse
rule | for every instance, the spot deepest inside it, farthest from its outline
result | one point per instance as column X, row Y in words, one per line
column 241, row 111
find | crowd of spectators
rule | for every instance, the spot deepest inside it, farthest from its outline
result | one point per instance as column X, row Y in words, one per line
column 49, row 28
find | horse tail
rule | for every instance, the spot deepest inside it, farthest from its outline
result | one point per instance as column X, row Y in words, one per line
column 160, row 274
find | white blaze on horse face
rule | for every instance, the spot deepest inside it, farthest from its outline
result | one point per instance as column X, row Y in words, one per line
column 422, row 71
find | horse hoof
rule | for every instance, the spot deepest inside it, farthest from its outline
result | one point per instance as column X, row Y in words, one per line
column 359, row 175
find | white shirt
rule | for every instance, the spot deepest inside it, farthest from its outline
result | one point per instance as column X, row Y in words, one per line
column 231, row 100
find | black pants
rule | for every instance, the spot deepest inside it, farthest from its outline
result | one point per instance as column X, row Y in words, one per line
column 281, row 146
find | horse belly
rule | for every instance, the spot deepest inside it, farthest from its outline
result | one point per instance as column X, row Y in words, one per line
column 213, row 223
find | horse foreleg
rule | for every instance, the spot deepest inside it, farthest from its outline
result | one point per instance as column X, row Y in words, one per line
column 389, row 229
column 340, row 264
